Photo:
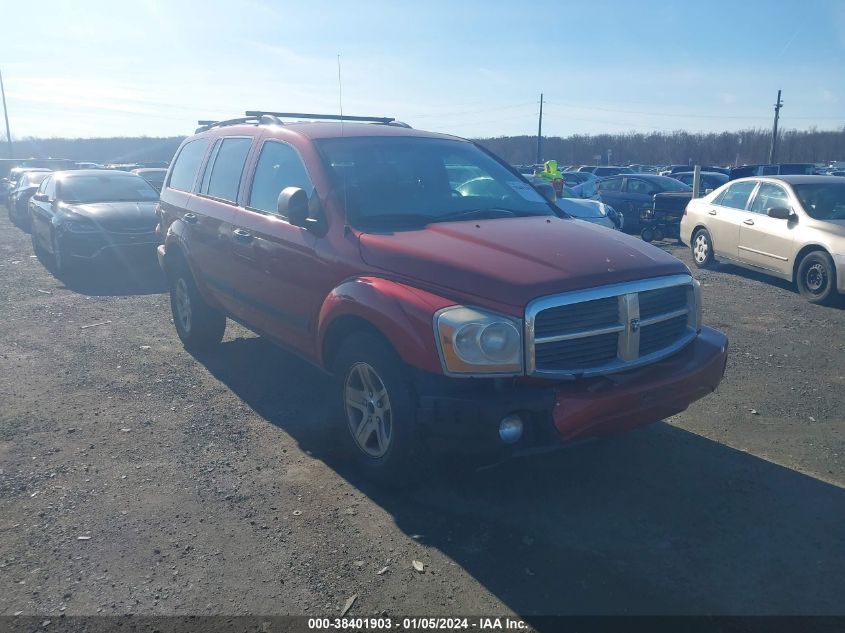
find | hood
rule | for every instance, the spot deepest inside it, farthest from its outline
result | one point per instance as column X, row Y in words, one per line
column 514, row 260
column 117, row 214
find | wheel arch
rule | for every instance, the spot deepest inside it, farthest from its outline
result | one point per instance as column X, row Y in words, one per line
column 399, row 314
column 801, row 254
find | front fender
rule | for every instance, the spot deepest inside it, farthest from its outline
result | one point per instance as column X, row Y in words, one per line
column 401, row 313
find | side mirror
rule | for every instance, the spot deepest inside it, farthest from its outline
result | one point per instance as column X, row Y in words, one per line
column 40, row 197
column 779, row 213
column 292, row 203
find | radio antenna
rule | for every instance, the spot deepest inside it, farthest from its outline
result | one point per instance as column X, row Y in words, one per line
column 340, row 105
column 340, row 94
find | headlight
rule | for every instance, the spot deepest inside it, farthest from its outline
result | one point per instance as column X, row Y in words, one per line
column 473, row 341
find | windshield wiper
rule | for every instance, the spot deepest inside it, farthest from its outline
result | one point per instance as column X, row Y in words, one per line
column 489, row 212
column 393, row 219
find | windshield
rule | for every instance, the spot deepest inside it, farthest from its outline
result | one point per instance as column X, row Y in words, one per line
column 154, row 177
column 32, row 178
column 822, row 201
column 107, row 188
column 391, row 182
column 669, row 184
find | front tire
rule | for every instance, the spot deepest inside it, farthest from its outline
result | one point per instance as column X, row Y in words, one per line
column 379, row 426
column 199, row 326
column 816, row 278
column 701, row 246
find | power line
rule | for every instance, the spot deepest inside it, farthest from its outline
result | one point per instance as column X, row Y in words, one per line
column 465, row 112
column 685, row 115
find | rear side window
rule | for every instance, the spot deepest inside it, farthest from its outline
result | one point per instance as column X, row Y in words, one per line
column 223, row 174
column 279, row 166
column 611, row 184
column 736, row 196
column 187, row 164
column 635, row 185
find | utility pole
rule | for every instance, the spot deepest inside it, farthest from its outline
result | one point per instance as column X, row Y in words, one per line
column 774, row 151
column 6, row 114
column 540, row 134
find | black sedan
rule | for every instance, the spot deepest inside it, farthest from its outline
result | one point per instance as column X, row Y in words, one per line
column 18, row 206
column 632, row 194
column 85, row 215
column 710, row 180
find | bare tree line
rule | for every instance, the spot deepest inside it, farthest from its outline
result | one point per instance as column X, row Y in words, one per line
column 661, row 148
column 655, row 148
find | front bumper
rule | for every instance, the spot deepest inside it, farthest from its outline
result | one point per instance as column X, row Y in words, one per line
column 839, row 264
column 91, row 246
column 469, row 419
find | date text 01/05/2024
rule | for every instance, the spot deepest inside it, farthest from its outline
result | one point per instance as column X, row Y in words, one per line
column 419, row 624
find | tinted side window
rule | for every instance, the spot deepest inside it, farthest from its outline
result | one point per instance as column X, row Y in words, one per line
column 736, row 196
column 635, row 185
column 279, row 166
column 769, row 196
column 49, row 187
column 611, row 184
column 186, row 165
column 226, row 168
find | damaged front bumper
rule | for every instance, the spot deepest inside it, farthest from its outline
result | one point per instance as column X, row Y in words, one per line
column 469, row 418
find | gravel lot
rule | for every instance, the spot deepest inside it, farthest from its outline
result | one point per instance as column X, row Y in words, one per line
column 135, row 478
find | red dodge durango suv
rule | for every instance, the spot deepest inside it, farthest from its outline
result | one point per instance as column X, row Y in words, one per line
column 454, row 305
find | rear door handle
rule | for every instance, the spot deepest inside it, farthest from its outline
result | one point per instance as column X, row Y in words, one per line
column 242, row 236
column 190, row 218
column 749, row 222
column 712, row 212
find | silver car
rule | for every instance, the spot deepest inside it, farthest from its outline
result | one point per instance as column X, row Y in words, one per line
column 591, row 211
column 792, row 227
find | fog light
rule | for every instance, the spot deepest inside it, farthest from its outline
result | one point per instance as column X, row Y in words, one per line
column 510, row 428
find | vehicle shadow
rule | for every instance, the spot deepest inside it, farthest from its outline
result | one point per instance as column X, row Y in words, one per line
column 656, row 521
column 116, row 278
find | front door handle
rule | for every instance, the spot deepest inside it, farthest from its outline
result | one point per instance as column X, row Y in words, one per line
column 749, row 222
column 242, row 236
column 712, row 212
column 190, row 218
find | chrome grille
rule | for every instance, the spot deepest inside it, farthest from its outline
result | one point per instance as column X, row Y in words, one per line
column 577, row 316
column 610, row 328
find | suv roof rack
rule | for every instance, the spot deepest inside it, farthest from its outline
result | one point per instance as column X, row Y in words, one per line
column 262, row 117
column 205, row 125
column 321, row 117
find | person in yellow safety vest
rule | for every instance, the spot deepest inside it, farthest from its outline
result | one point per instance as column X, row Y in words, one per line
column 550, row 172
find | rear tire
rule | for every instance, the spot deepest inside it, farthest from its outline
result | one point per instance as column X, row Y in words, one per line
column 816, row 278
column 647, row 234
column 701, row 246
column 199, row 326
column 377, row 416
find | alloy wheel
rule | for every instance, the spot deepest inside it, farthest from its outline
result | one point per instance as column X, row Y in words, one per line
column 183, row 304
column 368, row 410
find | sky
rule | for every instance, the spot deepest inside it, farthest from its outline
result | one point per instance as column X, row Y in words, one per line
column 471, row 68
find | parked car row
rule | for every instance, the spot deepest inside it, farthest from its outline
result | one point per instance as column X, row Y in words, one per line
column 456, row 305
